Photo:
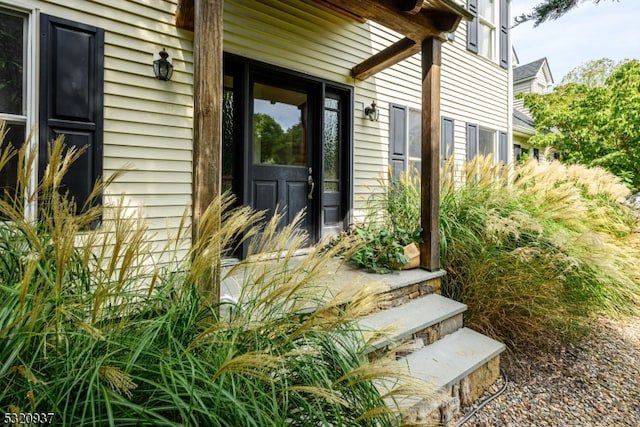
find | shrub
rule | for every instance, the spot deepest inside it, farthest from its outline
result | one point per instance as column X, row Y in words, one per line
column 535, row 251
column 93, row 330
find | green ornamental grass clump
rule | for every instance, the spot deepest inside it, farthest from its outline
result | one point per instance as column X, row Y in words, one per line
column 535, row 251
column 94, row 330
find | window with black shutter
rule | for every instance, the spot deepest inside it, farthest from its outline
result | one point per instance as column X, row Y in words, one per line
column 71, row 100
column 488, row 31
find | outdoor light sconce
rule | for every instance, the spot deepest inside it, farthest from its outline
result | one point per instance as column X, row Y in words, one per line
column 372, row 112
column 162, row 68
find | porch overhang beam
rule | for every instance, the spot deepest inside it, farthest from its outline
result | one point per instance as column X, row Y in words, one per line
column 416, row 26
column 185, row 15
column 417, row 20
column 393, row 54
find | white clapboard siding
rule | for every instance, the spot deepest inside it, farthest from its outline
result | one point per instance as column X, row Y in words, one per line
column 474, row 90
column 148, row 123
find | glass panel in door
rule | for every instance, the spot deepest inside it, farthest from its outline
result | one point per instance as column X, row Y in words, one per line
column 279, row 122
column 281, row 178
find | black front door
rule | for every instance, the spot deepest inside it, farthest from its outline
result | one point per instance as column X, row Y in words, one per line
column 287, row 145
column 282, row 178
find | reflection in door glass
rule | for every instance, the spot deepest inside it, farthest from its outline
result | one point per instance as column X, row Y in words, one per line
column 279, row 126
column 331, row 144
column 227, row 134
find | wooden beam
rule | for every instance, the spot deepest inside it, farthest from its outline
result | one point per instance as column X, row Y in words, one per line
column 411, row 6
column 430, row 179
column 392, row 55
column 184, row 15
column 387, row 12
column 207, row 120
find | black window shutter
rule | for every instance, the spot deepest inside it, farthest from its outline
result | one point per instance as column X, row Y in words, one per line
column 472, row 140
column 503, row 151
column 446, row 139
column 398, row 139
column 472, row 27
column 71, row 100
column 504, row 34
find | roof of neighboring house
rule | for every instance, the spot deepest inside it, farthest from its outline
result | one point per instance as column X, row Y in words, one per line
column 523, row 122
column 529, row 71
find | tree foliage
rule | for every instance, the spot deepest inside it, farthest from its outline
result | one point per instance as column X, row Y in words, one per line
column 549, row 10
column 593, row 73
column 594, row 125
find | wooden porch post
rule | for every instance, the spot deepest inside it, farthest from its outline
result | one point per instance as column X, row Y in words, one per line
column 430, row 179
column 207, row 118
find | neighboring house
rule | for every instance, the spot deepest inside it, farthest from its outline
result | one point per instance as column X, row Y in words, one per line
column 534, row 77
column 268, row 98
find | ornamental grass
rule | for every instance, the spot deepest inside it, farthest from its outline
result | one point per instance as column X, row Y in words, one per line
column 98, row 329
column 535, row 251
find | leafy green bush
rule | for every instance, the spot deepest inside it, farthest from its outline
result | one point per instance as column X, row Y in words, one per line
column 392, row 222
column 536, row 251
column 93, row 330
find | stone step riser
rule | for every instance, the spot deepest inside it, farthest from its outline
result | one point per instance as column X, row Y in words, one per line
column 419, row 339
column 404, row 294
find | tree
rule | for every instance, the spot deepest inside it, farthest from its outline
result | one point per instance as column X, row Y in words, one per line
column 549, row 10
column 594, row 125
column 593, row 73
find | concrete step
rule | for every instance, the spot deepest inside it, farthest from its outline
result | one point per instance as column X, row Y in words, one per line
column 425, row 320
column 454, row 357
column 461, row 365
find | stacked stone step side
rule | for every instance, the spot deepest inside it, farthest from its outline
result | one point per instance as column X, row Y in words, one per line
column 462, row 363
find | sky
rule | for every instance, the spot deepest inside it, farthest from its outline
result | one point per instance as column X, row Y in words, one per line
column 610, row 29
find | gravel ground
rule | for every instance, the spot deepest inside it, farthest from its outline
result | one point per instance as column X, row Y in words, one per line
column 595, row 383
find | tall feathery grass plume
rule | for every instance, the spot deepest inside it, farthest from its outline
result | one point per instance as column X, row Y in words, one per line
column 535, row 250
column 94, row 329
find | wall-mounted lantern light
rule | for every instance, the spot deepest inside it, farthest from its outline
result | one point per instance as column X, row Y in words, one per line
column 162, row 68
column 372, row 112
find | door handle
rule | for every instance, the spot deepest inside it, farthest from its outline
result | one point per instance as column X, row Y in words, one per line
column 311, row 184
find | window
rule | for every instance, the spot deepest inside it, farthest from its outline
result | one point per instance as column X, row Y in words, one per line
column 488, row 32
column 331, row 144
column 228, row 135
column 13, row 88
column 540, row 88
column 487, row 28
column 517, row 152
column 405, row 152
column 486, row 141
column 415, row 141
column 70, row 99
